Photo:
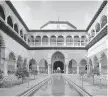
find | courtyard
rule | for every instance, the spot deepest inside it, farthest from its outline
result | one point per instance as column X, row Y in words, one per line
column 43, row 54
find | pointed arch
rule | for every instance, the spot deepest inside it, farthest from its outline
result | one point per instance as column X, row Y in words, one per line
column 53, row 40
column 97, row 27
column 57, row 56
column 92, row 33
column 19, row 62
column 21, row 33
column 96, row 62
column 72, row 67
column 60, row 40
column 32, row 64
column 83, row 40
column 9, row 21
column 103, row 21
column 38, row 40
column 11, row 62
column 43, row 66
column 69, row 40
column 16, row 27
column 25, row 62
column 83, row 65
column 45, row 40
column 76, row 40
column 104, row 63
column 25, row 37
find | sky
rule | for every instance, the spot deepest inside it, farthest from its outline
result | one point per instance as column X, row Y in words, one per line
column 37, row 13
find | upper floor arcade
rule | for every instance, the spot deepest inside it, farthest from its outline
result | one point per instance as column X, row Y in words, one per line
column 12, row 24
column 58, row 39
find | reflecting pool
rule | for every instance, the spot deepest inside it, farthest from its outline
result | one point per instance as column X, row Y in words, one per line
column 57, row 86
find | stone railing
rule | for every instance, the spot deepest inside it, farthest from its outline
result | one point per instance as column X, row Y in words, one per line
column 57, row 44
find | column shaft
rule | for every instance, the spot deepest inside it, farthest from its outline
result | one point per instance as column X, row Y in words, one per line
column 77, row 69
column 49, row 67
column 5, row 68
column 15, row 65
column 38, row 68
column 100, row 67
column 66, row 69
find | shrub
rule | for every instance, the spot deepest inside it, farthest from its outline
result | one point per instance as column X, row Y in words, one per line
column 34, row 72
column 22, row 73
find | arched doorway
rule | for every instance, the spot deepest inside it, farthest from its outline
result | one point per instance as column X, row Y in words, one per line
column 72, row 67
column 32, row 65
column 83, row 66
column 19, row 62
column 57, row 62
column 43, row 66
column 11, row 63
column 96, row 62
column 58, row 65
column 103, row 63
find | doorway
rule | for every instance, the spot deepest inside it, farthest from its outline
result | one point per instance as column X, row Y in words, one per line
column 58, row 67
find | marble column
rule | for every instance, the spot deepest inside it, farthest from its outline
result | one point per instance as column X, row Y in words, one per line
column 66, row 69
column 15, row 63
column 49, row 42
column 77, row 69
column 38, row 68
column 88, row 68
column 65, row 41
column 5, row 68
column 100, row 67
column 49, row 69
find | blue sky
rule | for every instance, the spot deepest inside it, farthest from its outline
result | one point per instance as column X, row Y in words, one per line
column 37, row 13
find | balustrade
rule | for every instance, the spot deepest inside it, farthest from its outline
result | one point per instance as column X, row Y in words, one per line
column 57, row 44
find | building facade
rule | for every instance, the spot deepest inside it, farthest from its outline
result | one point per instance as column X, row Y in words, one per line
column 56, row 44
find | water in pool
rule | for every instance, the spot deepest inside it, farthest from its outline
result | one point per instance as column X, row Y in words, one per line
column 57, row 86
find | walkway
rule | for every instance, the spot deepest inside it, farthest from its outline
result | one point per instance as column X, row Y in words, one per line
column 95, row 89
column 16, row 90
